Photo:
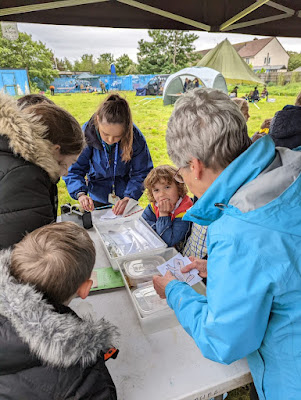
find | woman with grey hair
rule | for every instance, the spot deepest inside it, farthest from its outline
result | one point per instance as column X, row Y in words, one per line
column 250, row 198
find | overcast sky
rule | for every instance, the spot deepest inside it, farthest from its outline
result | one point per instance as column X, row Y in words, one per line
column 74, row 41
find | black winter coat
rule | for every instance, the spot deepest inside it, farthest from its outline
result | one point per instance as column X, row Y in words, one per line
column 47, row 352
column 28, row 172
column 285, row 128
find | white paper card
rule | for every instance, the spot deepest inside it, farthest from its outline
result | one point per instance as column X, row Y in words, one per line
column 110, row 215
column 131, row 208
column 175, row 264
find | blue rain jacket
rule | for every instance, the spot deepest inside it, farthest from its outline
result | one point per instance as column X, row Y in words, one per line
column 93, row 163
column 253, row 303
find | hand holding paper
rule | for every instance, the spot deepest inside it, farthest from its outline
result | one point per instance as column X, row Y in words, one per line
column 175, row 265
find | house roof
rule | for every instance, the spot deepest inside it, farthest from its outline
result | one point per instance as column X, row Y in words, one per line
column 250, row 49
column 246, row 49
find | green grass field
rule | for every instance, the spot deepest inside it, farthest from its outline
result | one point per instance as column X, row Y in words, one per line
column 152, row 117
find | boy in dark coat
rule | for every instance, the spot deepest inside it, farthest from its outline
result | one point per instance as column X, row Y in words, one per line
column 46, row 351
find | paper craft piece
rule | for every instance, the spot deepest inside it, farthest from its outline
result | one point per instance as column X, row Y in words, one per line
column 110, row 215
column 175, row 264
column 131, row 208
column 106, row 278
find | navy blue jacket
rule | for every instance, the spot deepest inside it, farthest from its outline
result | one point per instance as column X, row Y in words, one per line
column 285, row 127
column 93, row 163
column 171, row 231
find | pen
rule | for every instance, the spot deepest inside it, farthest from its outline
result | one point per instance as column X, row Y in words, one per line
column 103, row 207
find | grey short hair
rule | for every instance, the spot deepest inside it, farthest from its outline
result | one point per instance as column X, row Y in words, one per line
column 207, row 125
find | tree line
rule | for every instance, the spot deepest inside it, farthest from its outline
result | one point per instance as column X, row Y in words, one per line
column 166, row 52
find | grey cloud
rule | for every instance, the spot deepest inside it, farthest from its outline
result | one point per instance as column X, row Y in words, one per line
column 72, row 42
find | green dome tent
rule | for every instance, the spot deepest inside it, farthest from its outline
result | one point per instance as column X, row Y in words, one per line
column 225, row 59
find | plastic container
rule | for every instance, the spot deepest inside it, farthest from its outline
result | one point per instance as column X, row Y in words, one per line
column 143, row 269
column 148, row 301
column 159, row 317
column 125, row 239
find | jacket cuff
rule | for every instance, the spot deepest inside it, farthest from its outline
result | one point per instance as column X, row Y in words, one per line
column 170, row 293
column 78, row 194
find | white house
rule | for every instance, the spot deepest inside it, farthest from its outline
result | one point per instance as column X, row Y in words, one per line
column 262, row 53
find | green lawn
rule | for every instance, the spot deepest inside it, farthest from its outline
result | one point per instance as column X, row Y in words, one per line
column 152, row 117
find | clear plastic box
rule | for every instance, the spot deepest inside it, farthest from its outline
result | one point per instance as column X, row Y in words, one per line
column 162, row 317
column 142, row 269
column 148, row 301
column 125, row 239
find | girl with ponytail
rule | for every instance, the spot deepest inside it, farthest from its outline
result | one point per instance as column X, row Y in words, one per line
column 116, row 160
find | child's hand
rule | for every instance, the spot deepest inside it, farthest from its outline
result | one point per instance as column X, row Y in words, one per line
column 165, row 208
column 196, row 263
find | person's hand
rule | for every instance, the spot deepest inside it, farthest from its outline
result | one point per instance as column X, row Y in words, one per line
column 160, row 283
column 120, row 206
column 196, row 263
column 86, row 202
column 165, row 208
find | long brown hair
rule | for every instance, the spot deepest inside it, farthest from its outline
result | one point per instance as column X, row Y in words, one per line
column 62, row 128
column 116, row 110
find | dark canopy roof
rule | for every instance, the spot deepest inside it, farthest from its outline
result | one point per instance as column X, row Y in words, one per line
column 261, row 17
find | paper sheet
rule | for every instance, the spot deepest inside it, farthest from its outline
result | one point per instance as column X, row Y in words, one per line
column 110, row 215
column 106, row 278
column 131, row 208
column 175, row 264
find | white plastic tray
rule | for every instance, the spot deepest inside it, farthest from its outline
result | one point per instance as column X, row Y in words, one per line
column 132, row 237
column 162, row 319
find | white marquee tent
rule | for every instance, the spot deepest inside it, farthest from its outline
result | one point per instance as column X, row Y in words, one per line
column 207, row 77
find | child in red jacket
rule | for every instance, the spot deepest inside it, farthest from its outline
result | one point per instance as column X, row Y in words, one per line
column 168, row 204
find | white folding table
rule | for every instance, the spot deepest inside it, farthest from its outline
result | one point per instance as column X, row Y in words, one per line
column 166, row 365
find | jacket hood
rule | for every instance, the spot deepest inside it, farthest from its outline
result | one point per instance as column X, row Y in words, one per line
column 285, row 127
column 26, row 136
column 258, row 180
column 59, row 340
column 91, row 135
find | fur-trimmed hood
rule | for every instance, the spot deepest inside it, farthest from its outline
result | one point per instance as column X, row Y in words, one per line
column 58, row 340
column 26, row 136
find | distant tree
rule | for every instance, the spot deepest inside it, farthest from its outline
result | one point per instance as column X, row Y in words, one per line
column 68, row 64
column 101, row 68
column 86, row 63
column 294, row 60
column 123, row 64
column 169, row 51
column 60, row 64
column 107, row 57
column 132, row 69
column 27, row 53
column 103, row 64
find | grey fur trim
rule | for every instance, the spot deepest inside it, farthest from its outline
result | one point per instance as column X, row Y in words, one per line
column 26, row 135
column 59, row 340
